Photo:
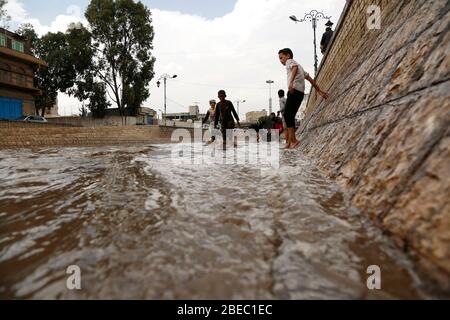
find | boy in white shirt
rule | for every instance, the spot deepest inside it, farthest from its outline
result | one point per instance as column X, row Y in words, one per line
column 296, row 93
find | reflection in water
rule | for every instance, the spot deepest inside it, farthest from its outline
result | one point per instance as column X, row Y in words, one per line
column 140, row 226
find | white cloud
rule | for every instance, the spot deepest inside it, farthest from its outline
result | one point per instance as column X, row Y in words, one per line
column 237, row 52
column 19, row 15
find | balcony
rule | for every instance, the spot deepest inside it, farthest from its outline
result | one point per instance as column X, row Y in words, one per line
column 17, row 81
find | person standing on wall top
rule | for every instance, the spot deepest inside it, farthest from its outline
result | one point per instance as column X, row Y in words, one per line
column 326, row 38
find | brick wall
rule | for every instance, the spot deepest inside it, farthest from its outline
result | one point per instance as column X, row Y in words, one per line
column 22, row 124
column 20, row 134
column 350, row 30
column 93, row 122
column 57, row 136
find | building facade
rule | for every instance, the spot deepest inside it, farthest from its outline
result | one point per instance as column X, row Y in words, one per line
column 144, row 116
column 192, row 115
column 17, row 68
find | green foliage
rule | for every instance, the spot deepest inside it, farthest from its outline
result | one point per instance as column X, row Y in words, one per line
column 4, row 17
column 123, row 33
column 52, row 48
column 27, row 31
column 97, row 100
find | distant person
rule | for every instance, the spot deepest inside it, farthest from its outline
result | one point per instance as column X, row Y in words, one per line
column 271, row 121
column 211, row 115
column 281, row 96
column 282, row 99
column 226, row 113
column 326, row 38
column 296, row 83
column 256, row 127
column 269, row 125
column 279, row 126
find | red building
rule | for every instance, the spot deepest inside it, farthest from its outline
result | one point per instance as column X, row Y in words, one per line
column 17, row 68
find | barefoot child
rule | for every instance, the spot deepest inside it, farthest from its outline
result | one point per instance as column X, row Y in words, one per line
column 211, row 115
column 226, row 113
column 296, row 84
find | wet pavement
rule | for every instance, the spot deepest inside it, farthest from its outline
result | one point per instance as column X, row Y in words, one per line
column 142, row 226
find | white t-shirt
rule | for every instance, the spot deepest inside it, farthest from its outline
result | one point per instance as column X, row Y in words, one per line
column 299, row 81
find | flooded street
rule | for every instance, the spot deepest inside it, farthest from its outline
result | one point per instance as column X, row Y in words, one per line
column 140, row 226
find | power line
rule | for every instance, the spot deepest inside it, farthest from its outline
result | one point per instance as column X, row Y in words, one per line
column 181, row 105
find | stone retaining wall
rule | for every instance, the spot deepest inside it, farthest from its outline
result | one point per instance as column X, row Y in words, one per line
column 18, row 134
column 96, row 122
column 384, row 134
column 48, row 136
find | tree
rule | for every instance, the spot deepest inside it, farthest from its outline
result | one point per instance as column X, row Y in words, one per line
column 97, row 100
column 70, row 69
column 122, row 32
column 80, row 53
column 58, row 76
column 4, row 17
column 27, row 31
column 83, row 111
column 112, row 56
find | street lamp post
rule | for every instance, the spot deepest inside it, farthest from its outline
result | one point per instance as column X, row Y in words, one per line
column 238, row 102
column 164, row 77
column 270, row 82
column 313, row 16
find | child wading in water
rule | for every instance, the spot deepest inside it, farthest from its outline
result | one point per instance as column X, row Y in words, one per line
column 296, row 84
column 225, row 112
column 211, row 115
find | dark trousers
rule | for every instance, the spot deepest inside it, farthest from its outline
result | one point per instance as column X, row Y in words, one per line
column 225, row 127
column 293, row 103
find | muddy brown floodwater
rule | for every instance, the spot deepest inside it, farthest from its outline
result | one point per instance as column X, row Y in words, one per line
column 140, row 226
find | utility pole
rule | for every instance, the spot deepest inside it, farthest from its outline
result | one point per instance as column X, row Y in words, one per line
column 270, row 82
column 164, row 77
column 313, row 16
column 238, row 102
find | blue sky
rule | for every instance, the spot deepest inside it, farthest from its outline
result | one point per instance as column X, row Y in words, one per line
column 209, row 9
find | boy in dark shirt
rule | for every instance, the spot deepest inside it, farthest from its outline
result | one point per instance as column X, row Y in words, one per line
column 224, row 113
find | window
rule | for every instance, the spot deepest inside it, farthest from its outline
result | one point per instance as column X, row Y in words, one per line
column 18, row 46
column 2, row 40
